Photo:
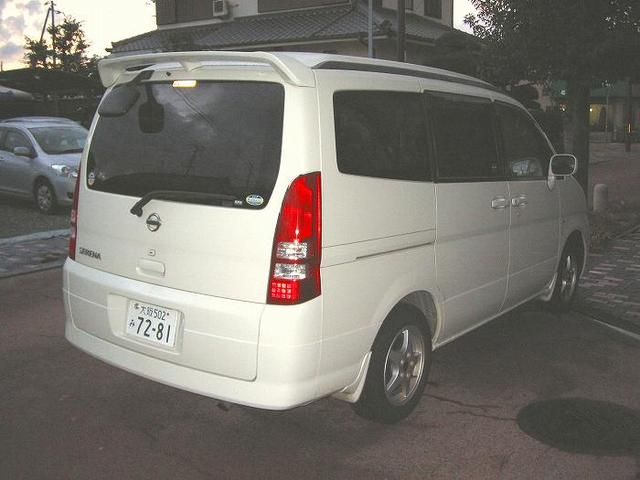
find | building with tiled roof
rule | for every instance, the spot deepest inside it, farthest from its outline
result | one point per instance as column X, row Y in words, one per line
column 332, row 26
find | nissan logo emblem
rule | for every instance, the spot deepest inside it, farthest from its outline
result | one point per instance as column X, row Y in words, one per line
column 153, row 222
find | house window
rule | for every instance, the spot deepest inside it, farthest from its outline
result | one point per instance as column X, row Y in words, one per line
column 433, row 8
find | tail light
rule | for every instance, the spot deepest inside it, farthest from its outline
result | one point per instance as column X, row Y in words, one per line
column 74, row 219
column 295, row 262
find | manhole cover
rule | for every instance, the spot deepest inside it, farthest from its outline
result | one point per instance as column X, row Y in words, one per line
column 583, row 426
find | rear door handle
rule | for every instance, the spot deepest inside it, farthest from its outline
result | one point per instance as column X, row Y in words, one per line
column 519, row 201
column 499, row 202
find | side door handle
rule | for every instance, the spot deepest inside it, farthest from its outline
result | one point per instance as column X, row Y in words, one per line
column 499, row 202
column 519, row 201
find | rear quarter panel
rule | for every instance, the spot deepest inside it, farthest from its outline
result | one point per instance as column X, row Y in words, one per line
column 377, row 239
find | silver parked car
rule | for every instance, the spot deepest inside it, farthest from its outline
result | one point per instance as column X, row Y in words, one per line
column 39, row 159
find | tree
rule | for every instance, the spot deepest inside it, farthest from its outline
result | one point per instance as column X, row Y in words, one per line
column 71, row 45
column 583, row 42
column 69, row 48
column 37, row 53
column 458, row 52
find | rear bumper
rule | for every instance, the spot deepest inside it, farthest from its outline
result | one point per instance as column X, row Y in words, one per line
column 258, row 355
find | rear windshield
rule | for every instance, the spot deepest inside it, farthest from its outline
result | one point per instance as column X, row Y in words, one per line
column 219, row 138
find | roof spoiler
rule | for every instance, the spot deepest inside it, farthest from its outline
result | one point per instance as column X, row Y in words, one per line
column 289, row 68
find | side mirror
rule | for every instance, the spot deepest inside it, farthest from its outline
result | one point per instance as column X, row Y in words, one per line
column 23, row 152
column 562, row 165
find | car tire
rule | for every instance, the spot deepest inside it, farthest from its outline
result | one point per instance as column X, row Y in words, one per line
column 399, row 367
column 45, row 197
column 566, row 286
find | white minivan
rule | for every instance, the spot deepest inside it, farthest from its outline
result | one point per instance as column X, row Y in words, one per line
column 268, row 229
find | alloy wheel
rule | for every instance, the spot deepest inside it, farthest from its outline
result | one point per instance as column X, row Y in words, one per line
column 404, row 365
column 44, row 197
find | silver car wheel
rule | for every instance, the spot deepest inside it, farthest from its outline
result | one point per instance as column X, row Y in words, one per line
column 44, row 197
column 404, row 365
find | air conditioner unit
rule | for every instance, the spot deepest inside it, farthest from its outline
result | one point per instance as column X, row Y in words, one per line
column 220, row 8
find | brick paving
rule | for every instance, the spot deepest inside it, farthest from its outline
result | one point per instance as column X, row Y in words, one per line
column 610, row 286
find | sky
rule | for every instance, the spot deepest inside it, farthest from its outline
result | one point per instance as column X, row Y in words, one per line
column 103, row 22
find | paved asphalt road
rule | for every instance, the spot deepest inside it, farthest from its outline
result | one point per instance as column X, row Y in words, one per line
column 20, row 217
column 64, row 415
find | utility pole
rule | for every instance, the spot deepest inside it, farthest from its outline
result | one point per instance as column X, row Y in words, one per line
column 627, row 140
column 370, row 31
column 51, row 12
column 401, row 31
column 53, row 33
column 44, row 26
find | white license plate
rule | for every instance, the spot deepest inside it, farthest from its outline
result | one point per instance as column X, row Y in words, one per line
column 152, row 323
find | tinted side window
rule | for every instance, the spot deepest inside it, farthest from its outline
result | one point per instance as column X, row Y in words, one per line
column 526, row 152
column 464, row 136
column 381, row 134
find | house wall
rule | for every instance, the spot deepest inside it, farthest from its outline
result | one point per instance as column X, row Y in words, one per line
column 170, row 12
column 183, row 11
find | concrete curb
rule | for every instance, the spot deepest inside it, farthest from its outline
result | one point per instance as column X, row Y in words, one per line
column 34, row 236
column 610, row 323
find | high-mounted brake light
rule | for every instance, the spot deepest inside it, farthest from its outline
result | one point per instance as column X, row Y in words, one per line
column 74, row 219
column 297, row 246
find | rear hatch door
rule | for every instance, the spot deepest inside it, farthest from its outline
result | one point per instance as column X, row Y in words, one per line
column 198, row 159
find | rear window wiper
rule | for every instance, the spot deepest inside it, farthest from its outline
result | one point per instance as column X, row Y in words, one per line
column 177, row 195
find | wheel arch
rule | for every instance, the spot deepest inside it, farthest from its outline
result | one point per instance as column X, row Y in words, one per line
column 37, row 180
column 421, row 301
column 425, row 304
